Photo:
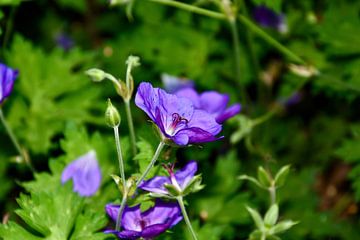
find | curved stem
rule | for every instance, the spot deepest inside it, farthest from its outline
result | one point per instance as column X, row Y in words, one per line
column 131, row 127
column 151, row 164
column 120, row 158
column 121, row 210
column 15, row 141
column 113, row 79
column 186, row 218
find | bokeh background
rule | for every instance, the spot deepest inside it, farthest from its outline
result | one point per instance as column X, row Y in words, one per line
column 57, row 112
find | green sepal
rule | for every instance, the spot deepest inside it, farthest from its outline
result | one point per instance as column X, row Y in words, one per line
column 193, row 186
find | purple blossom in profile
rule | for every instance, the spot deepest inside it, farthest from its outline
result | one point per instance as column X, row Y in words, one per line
column 148, row 224
column 292, row 100
column 7, row 79
column 180, row 179
column 176, row 117
column 268, row 18
column 64, row 41
column 85, row 173
column 212, row 102
column 173, row 83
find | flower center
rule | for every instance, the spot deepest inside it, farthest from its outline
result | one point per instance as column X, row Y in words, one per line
column 142, row 223
column 176, row 120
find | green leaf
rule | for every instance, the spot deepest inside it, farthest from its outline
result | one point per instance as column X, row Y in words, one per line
column 271, row 215
column 51, row 89
column 281, row 176
column 256, row 217
column 282, row 226
column 264, row 177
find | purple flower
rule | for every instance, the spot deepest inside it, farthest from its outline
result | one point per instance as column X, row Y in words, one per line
column 180, row 180
column 173, row 84
column 85, row 173
column 64, row 41
column 212, row 102
column 7, row 79
column 268, row 18
column 176, row 117
column 148, row 224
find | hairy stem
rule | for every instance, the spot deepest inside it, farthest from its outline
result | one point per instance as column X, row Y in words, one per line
column 131, row 127
column 186, row 218
column 151, row 164
column 15, row 141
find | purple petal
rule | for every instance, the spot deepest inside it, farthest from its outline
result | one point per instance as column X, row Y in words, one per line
column 197, row 135
column 184, row 175
column 112, row 210
column 268, row 18
column 154, row 230
column 85, row 173
column 173, row 84
column 163, row 213
column 191, row 94
column 214, row 102
column 128, row 234
column 147, row 98
column 7, row 79
column 130, row 218
column 204, row 121
column 228, row 113
column 155, row 185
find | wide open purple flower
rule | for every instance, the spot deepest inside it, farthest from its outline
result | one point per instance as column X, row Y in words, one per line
column 180, row 180
column 7, row 79
column 148, row 224
column 85, row 173
column 212, row 102
column 173, row 83
column 268, row 18
column 176, row 117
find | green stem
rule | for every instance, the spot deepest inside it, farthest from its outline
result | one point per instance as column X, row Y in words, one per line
column 120, row 158
column 121, row 210
column 191, row 8
column 113, row 79
column 261, row 33
column 131, row 127
column 186, row 218
column 15, row 141
column 236, row 46
column 9, row 26
column 151, row 164
column 265, row 117
column 272, row 191
column 263, row 236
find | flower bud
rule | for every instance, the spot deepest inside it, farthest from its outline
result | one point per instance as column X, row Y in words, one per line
column 112, row 116
column 96, row 75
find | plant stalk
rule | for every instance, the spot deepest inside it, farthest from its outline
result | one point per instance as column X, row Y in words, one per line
column 131, row 127
column 15, row 141
column 120, row 157
column 186, row 218
column 121, row 210
column 151, row 164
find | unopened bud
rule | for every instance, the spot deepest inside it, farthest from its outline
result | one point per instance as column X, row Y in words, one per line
column 133, row 61
column 96, row 75
column 112, row 116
